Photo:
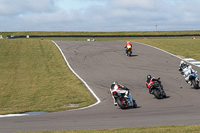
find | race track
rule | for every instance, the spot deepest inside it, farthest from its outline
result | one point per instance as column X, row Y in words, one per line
column 99, row 64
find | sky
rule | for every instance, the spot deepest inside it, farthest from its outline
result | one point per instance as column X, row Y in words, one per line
column 99, row 15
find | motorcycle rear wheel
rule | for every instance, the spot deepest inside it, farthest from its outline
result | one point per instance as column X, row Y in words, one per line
column 134, row 104
column 196, row 86
column 129, row 53
column 157, row 93
column 120, row 102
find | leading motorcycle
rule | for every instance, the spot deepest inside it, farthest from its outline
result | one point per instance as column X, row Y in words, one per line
column 129, row 50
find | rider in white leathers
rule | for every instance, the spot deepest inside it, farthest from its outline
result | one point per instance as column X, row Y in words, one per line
column 187, row 71
column 116, row 87
column 182, row 66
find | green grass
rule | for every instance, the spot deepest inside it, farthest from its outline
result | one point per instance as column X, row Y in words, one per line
column 183, row 46
column 160, row 129
column 35, row 77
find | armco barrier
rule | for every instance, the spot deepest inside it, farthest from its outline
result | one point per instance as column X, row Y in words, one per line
column 94, row 36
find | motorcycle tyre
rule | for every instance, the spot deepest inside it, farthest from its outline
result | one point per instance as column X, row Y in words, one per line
column 129, row 53
column 134, row 104
column 156, row 93
column 163, row 92
column 120, row 104
column 196, row 86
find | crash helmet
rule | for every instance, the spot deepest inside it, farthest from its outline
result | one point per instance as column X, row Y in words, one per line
column 149, row 76
column 189, row 67
column 116, row 87
column 115, row 82
column 182, row 62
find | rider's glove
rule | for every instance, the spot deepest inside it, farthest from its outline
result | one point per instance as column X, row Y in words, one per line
column 182, row 73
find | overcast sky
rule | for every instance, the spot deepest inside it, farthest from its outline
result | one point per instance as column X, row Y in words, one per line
column 99, row 15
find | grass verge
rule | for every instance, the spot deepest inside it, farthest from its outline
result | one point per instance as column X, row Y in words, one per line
column 35, row 77
column 160, row 129
column 182, row 46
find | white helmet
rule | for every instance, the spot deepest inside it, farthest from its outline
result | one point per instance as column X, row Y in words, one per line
column 189, row 67
column 182, row 62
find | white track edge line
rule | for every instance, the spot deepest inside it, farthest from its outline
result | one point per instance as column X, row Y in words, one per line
column 185, row 59
column 161, row 50
column 12, row 115
column 98, row 100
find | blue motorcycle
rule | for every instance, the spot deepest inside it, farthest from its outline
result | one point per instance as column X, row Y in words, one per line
column 191, row 77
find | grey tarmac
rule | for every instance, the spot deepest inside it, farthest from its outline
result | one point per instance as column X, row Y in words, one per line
column 100, row 63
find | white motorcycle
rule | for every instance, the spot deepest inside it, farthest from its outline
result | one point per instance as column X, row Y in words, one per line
column 191, row 76
column 123, row 97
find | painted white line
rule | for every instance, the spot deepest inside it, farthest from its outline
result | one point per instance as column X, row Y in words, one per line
column 161, row 50
column 192, row 61
column 189, row 60
column 98, row 100
column 12, row 115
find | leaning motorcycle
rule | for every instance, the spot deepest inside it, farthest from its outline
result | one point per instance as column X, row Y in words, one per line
column 129, row 50
column 191, row 75
column 122, row 101
column 157, row 89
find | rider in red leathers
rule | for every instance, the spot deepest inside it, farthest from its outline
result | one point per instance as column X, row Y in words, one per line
column 128, row 45
column 149, row 82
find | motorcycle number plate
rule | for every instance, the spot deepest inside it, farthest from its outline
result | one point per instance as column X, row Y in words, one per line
column 128, row 46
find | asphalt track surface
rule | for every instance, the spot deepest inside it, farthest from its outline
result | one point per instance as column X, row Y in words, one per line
column 99, row 64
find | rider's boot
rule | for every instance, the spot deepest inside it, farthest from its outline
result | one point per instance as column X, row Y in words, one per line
column 150, row 91
column 126, row 52
column 115, row 103
column 126, row 94
column 189, row 82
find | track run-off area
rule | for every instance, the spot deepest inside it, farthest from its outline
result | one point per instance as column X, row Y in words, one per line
column 99, row 63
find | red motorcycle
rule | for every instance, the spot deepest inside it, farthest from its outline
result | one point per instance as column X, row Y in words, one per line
column 156, row 88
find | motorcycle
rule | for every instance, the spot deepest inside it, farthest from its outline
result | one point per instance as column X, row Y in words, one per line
column 157, row 89
column 129, row 50
column 122, row 101
column 191, row 77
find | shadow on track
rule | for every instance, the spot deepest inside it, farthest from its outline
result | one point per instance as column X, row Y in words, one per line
column 132, row 55
column 162, row 98
column 129, row 108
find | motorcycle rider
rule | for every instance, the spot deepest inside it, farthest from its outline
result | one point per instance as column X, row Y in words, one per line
column 182, row 66
column 149, row 82
column 128, row 44
column 189, row 67
column 115, row 87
